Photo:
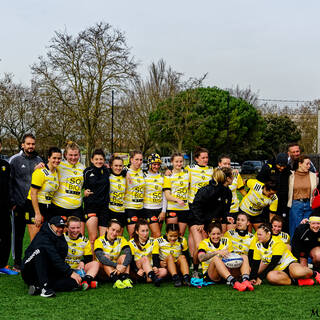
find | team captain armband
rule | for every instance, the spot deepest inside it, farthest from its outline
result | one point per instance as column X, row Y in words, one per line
column 314, row 219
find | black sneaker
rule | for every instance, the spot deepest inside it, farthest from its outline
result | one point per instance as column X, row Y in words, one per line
column 157, row 282
column 47, row 293
column 186, row 282
column 34, row 290
column 177, row 282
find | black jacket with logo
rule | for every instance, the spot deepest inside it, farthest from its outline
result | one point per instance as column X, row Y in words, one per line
column 55, row 248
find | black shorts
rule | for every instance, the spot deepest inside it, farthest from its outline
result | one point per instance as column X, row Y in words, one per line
column 95, row 211
column 261, row 218
column 30, row 214
column 182, row 215
column 151, row 215
column 105, row 219
column 133, row 215
column 65, row 213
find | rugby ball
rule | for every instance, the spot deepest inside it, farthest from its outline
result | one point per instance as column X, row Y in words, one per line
column 233, row 260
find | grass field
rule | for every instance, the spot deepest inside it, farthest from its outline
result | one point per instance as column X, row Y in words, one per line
column 145, row 301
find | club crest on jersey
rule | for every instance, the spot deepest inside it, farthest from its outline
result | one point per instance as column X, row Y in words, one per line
column 3, row 168
column 138, row 180
column 181, row 183
column 203, row 177
column 75, row 172
column 23, row 166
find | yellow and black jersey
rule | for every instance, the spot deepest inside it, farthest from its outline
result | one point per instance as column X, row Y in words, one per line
column 117, row 192
column 198, row 177
column 70, row 176
column 237, row 183
column 77, row 248
column 47, row 184
column 178, row 184
column 133, row 198
column 146, row 249
column 276, row 247
column 153, row 193
column 254, row 201
column 207, row 246
column 240, row 243
column 283, row 236
column 111, row 249
column 164, row 248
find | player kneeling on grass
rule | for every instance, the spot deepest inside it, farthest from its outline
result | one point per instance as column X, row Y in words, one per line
column 114, row 254
column 211, row 253
column 171, row 252
column 79, row 255
column 273, row 260
column 141, row 248
column 44, row 268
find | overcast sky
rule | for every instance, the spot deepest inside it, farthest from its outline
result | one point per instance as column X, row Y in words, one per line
column 272, row 46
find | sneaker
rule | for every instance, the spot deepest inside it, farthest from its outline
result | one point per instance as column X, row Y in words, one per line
column 306, row 282
column 34, row 290
column 94, row 284
column 196, row 274
column 239, row 286
column 47, row 293
column 317, row 277
column 157, row 282
column 128, row 283
column 119, row 285
column 7, row 270
column 177, row 283
column 248, row 285
column 84, row 286
column 186, row 282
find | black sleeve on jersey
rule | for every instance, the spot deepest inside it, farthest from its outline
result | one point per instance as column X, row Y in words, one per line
column 87, row 258
column 254, row 264
column 103, row 259
column 264, row 174
column 250, row 256
column 124, row 172
column 128, row 256
column 156, row 260
column 273, row 263
column 187, row 255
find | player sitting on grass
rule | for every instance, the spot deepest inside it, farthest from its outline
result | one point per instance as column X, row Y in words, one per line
column 211, row 252
column 114, row 254
column 141, row 248
column 306, row 241
column 79, row 255
column 273, row 260
column 171, row 252
column 240, row 237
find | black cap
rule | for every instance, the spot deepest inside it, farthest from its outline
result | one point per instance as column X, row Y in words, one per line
column 57, row 221
column 282, row 159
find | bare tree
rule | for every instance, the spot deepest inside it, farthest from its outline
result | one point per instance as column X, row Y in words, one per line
column 18, row 109
column 245, row 94
column 80, row 72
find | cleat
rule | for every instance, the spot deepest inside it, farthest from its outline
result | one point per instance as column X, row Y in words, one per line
column 119, row 285
column 305, row 282
column 84, row 286
column 196, row 274
column 317, row 277
column 34, row 290
column 157, row 282
column 177, row 283
column 94, row 284
column 239, row 286
column 248, row 285
column 8, row 271
column 47, row 293
column 128, row 283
